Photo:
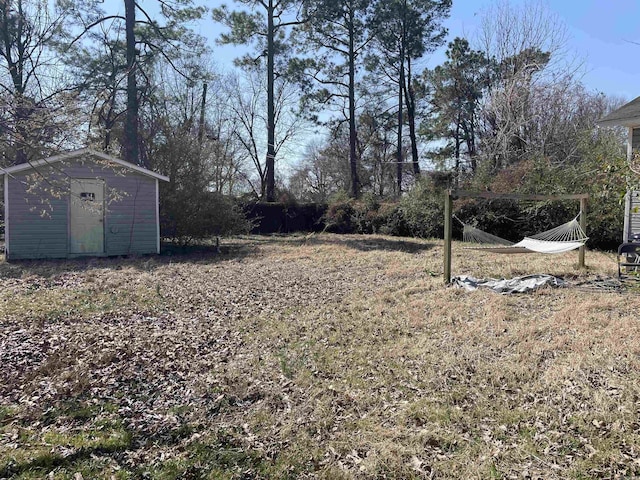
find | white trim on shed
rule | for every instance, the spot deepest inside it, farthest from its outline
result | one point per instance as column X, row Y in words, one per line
column 6, row 215
column 158, row 213
column 78, row 153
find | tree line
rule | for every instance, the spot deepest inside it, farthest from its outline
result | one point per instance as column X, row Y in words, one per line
column 341, row 84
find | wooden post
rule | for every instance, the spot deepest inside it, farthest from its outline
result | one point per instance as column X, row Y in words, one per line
column 583, row 225
column 448, row 204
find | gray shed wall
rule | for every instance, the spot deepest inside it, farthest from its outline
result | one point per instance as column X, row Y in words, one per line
column 38, row 223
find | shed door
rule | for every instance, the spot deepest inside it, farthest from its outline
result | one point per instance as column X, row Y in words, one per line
column 86, row 227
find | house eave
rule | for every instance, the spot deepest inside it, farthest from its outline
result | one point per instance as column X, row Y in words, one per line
column 628, row 115
column 620, row 122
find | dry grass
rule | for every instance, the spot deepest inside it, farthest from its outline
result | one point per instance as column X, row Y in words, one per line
column 315, row 357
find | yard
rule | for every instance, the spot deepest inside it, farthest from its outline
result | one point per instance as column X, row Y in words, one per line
column 315, row 357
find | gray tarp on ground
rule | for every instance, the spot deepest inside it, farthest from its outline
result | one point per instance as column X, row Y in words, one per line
column 525, row 284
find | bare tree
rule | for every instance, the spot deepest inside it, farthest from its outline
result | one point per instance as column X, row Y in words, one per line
column 529, row 46
column 267, row 30
column 30, row 76
column 323, row 172
column 407, row 29
column 248, row 96
column 335, row 42
column 507, row 30
column 376, row 151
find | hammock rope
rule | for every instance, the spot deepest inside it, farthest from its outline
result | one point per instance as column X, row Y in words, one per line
column 471, row 234
column 563, row 238
column 567, row 232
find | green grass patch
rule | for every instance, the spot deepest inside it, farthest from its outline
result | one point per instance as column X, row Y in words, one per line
column 37, row 455
column 7, row 412
column 219, row 457
column 55, row 305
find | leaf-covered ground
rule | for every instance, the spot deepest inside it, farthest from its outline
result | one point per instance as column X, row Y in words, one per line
column 315, row 357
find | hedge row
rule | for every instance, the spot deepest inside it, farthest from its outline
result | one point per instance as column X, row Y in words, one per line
column 421, row 214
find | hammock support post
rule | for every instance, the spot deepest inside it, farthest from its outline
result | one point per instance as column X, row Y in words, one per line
column 448, row 214
column 583, row 225
column 450, row 195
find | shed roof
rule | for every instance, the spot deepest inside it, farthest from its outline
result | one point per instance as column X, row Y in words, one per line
column 627, row 115
column 78, row 153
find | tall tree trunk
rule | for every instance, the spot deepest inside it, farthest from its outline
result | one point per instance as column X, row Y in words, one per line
column 131, row 153
column 399, row 157
column 23, row 115
column 15, row 65
column 457, row 153
column 107, row 135
column 410, row 95
column 353, row 162
column 271, row 124
column 469, row 140
column 202, row 110
column 109, row 118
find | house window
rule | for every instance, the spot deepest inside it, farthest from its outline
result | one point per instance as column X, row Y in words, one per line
column 635, row 139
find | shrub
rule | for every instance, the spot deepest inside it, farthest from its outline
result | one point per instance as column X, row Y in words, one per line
column 394, row 221
column 284, row 217
column 339, row 217
column 189, row 215
column 365, row 216
column 422, row 211
column 599, row 173
column 502, row 218
column 189, row 211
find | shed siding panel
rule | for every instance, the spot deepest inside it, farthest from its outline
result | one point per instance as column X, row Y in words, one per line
column 130, row 218
column 38, row 223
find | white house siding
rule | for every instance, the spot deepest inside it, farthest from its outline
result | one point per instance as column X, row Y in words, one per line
column 633, row 207
column 632, row 199
column 38, row 222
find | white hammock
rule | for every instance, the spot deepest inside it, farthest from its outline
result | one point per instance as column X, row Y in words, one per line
column 564, row 238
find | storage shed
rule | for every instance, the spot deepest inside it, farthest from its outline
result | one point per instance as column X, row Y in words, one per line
column 628, row 116
column 81, row 203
